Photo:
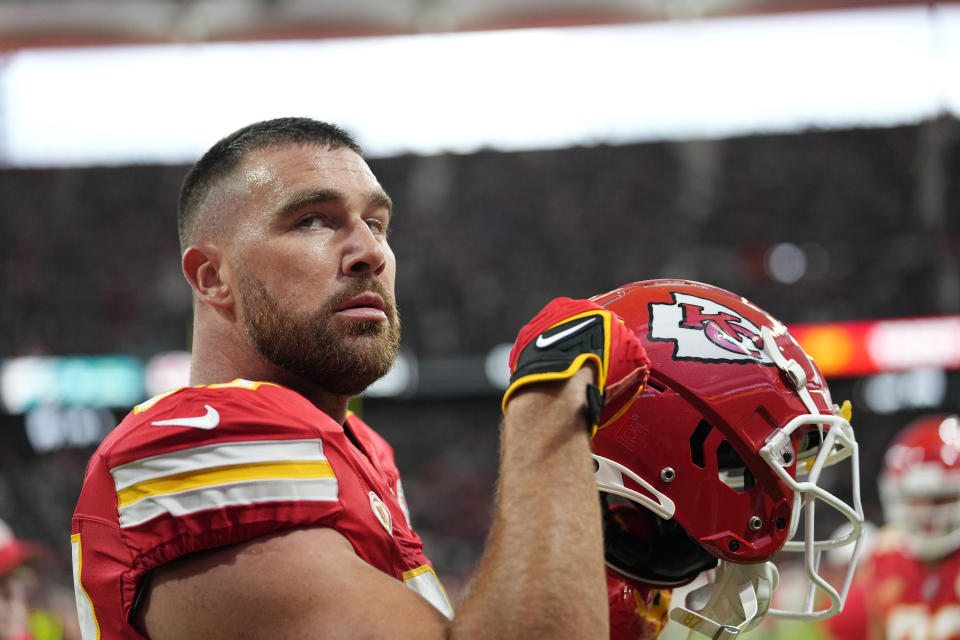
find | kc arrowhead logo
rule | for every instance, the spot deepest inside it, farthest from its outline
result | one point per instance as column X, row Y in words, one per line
column 704, row 330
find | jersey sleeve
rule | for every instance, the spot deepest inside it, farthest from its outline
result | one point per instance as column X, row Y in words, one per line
column 201, row 468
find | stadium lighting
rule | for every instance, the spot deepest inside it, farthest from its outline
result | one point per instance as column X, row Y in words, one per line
column 506, row 90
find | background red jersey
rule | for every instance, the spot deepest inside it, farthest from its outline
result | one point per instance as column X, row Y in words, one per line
column 899, row 597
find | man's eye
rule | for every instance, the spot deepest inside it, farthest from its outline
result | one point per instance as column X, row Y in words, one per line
column 377, row 226
column 310, row 221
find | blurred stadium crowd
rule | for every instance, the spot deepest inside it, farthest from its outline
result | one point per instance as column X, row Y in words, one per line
column 871, row 219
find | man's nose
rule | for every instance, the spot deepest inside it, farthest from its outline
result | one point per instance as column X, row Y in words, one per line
column 365, row 253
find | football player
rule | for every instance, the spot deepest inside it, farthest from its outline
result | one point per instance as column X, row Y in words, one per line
column 252, row 504
column 909, row 585
column 14, row 554
column 717, row 466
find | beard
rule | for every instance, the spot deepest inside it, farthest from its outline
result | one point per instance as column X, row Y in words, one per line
column 341, row 361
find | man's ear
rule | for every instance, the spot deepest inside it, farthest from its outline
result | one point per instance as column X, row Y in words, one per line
column 203, row 267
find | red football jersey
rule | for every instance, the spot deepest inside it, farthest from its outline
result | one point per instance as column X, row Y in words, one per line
column 636, row 612
column 205, row 467
column 901, row 597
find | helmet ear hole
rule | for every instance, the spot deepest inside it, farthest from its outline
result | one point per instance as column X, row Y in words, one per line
column 733, row 470
column 697, row 441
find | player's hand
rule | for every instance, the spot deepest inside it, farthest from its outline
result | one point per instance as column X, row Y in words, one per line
column 637, row 612
column 566, row 335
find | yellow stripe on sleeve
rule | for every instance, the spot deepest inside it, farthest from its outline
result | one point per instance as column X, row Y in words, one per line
column 223, row 475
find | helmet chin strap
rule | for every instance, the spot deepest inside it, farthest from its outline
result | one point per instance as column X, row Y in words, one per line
column 735, row 599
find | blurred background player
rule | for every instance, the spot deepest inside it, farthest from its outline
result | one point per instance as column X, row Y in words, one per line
column 32, row 607
column 718, row 466
column 909, row 585
column 14, row 607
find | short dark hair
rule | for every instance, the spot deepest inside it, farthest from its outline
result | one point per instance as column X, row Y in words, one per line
column 227, row 154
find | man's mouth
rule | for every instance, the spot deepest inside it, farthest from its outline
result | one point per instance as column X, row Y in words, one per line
column 364, row 306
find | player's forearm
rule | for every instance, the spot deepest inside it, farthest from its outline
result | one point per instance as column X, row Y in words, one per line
column 542, row 574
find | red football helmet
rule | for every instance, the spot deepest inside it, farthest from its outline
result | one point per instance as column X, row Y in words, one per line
column 920, row 485
column 714, row 462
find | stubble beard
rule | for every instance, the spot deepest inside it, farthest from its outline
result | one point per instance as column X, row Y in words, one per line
column 342, row 360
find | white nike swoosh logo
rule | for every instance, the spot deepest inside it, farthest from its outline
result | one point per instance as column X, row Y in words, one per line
column 209, row 420
column 543, row 343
